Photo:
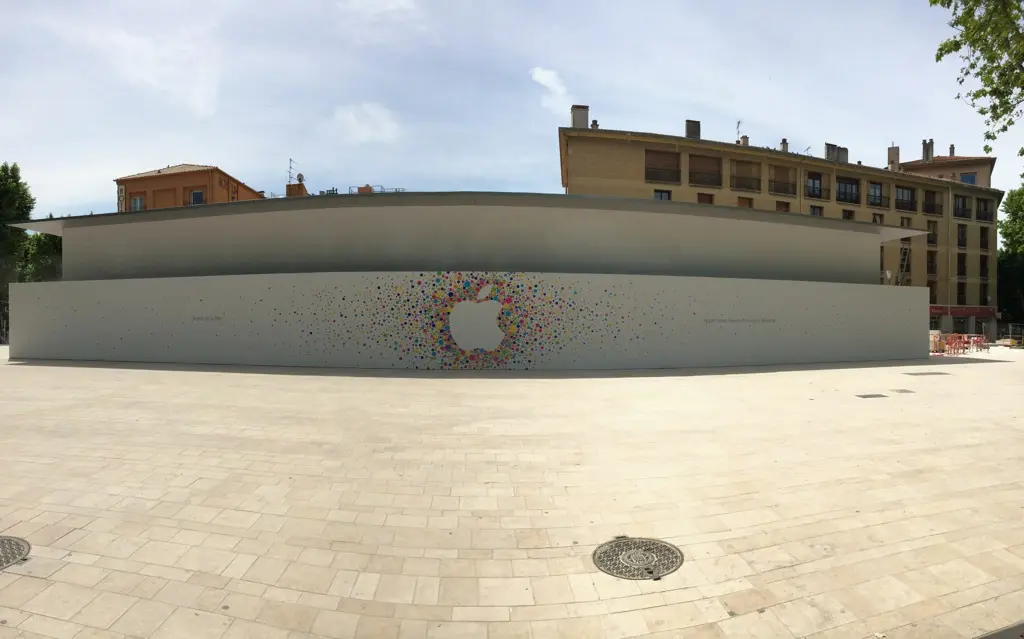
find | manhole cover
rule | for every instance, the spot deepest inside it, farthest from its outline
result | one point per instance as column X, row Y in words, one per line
column 925, row 374
column 871, row 396
column 637, row 558
column 13, row 550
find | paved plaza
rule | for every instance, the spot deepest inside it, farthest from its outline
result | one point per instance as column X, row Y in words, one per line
column 261, row 504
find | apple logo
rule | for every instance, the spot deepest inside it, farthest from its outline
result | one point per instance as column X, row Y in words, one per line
column 474, row 323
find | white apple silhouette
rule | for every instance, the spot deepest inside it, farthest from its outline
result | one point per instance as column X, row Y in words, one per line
column 474, row 323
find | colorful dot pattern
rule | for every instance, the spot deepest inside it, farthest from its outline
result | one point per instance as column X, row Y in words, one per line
column 536, row 316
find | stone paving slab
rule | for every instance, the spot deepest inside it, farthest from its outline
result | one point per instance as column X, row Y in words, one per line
column 237, row 504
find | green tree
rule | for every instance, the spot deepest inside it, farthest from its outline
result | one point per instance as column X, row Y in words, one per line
column 40, row 258
column 989, row 40
column 1010, row 275
column 16, row 204
column 1011, row 222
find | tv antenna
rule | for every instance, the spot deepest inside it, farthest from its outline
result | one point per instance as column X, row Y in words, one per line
column 806, row 150
column 300, row 178
column 291, row 165
column 738, row 124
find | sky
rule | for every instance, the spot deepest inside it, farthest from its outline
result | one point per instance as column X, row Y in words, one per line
column 449, row 95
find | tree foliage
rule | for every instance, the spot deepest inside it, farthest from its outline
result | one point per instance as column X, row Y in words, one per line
column 1011, row 221
column 16, row 204
column 40, row 258
column 989, row 40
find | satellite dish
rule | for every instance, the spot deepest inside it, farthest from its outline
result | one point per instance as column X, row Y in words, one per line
column 301, row 178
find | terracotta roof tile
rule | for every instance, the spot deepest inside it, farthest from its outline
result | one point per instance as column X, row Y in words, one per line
column 939, row 159
column 177, row 168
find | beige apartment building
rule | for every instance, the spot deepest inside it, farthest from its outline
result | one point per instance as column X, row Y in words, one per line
column 950, row 197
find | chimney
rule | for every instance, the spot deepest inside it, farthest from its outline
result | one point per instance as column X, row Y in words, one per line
column 843, row 155
column 295, row 190
column 693, row 129
column 365, row 189
column 931, row 149
column 785, row 145
column 894, row 158
column 593, row 125
column 831, row 152
column 745, row 140
column 927, row 150
column 580, row 116
column 952, row 150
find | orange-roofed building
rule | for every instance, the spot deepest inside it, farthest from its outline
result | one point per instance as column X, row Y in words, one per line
column 180, row 185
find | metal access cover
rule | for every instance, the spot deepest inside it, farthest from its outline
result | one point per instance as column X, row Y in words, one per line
column 926, row 374
column 637, row 558
column 872, row 396
column 13, row 550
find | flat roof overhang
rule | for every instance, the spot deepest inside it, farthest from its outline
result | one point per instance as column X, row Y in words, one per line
column 56, row 226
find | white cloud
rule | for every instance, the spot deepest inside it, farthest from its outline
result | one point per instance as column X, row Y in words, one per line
column 365, row 123
column 183, row 65
column 556, row 98
column 380, row 9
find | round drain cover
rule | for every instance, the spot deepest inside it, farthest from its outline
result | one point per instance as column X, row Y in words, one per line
column 13, row 550
column 637, row 558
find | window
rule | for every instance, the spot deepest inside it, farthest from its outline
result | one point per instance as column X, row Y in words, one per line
column 961, row 264
column 662, row 195
column 961, row 294
column 661, row 166
column 969, row 178
column 984, row 238
column 906, row 222
column 878, row 218
column 814, row 188
column 905, row 198
column 983, row 266
column 961, row 236
column 961, row 206
column 875, row 197
column 983, row 294
column 745, row 202
column 932, row 263
column 849, row 215
column 932, row 206
column 782, row 206
column 817, row 211
column 985, row 210
column 848, row 190
column 933, row 232
column 705, row 170
column 138, row 203
column 195, row 197
column 705, row 198
column 933, row 296
column 745, row 176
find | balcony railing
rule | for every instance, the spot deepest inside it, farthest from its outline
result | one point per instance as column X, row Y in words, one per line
column 984, row 243
column 906, row 205
column 932, row 208
column 745, row 183
column 782, row 188
column 933, row 268
column 705, row 179
column 849, row 197
column 984, row 274
column 879, row 201
column 817, row 192
column 933, row 239
column 985, row 216
column 963, row 212
column 668, row 176
column 961, row 242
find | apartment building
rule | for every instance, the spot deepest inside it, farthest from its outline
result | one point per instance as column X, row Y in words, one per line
column 180, row 185
column 950, row 197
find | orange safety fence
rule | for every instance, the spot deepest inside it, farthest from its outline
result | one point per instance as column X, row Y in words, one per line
column 957, row 343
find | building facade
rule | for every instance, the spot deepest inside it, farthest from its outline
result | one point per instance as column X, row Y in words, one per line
column 180, row 185
column 950, row 198
column 467, row 280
